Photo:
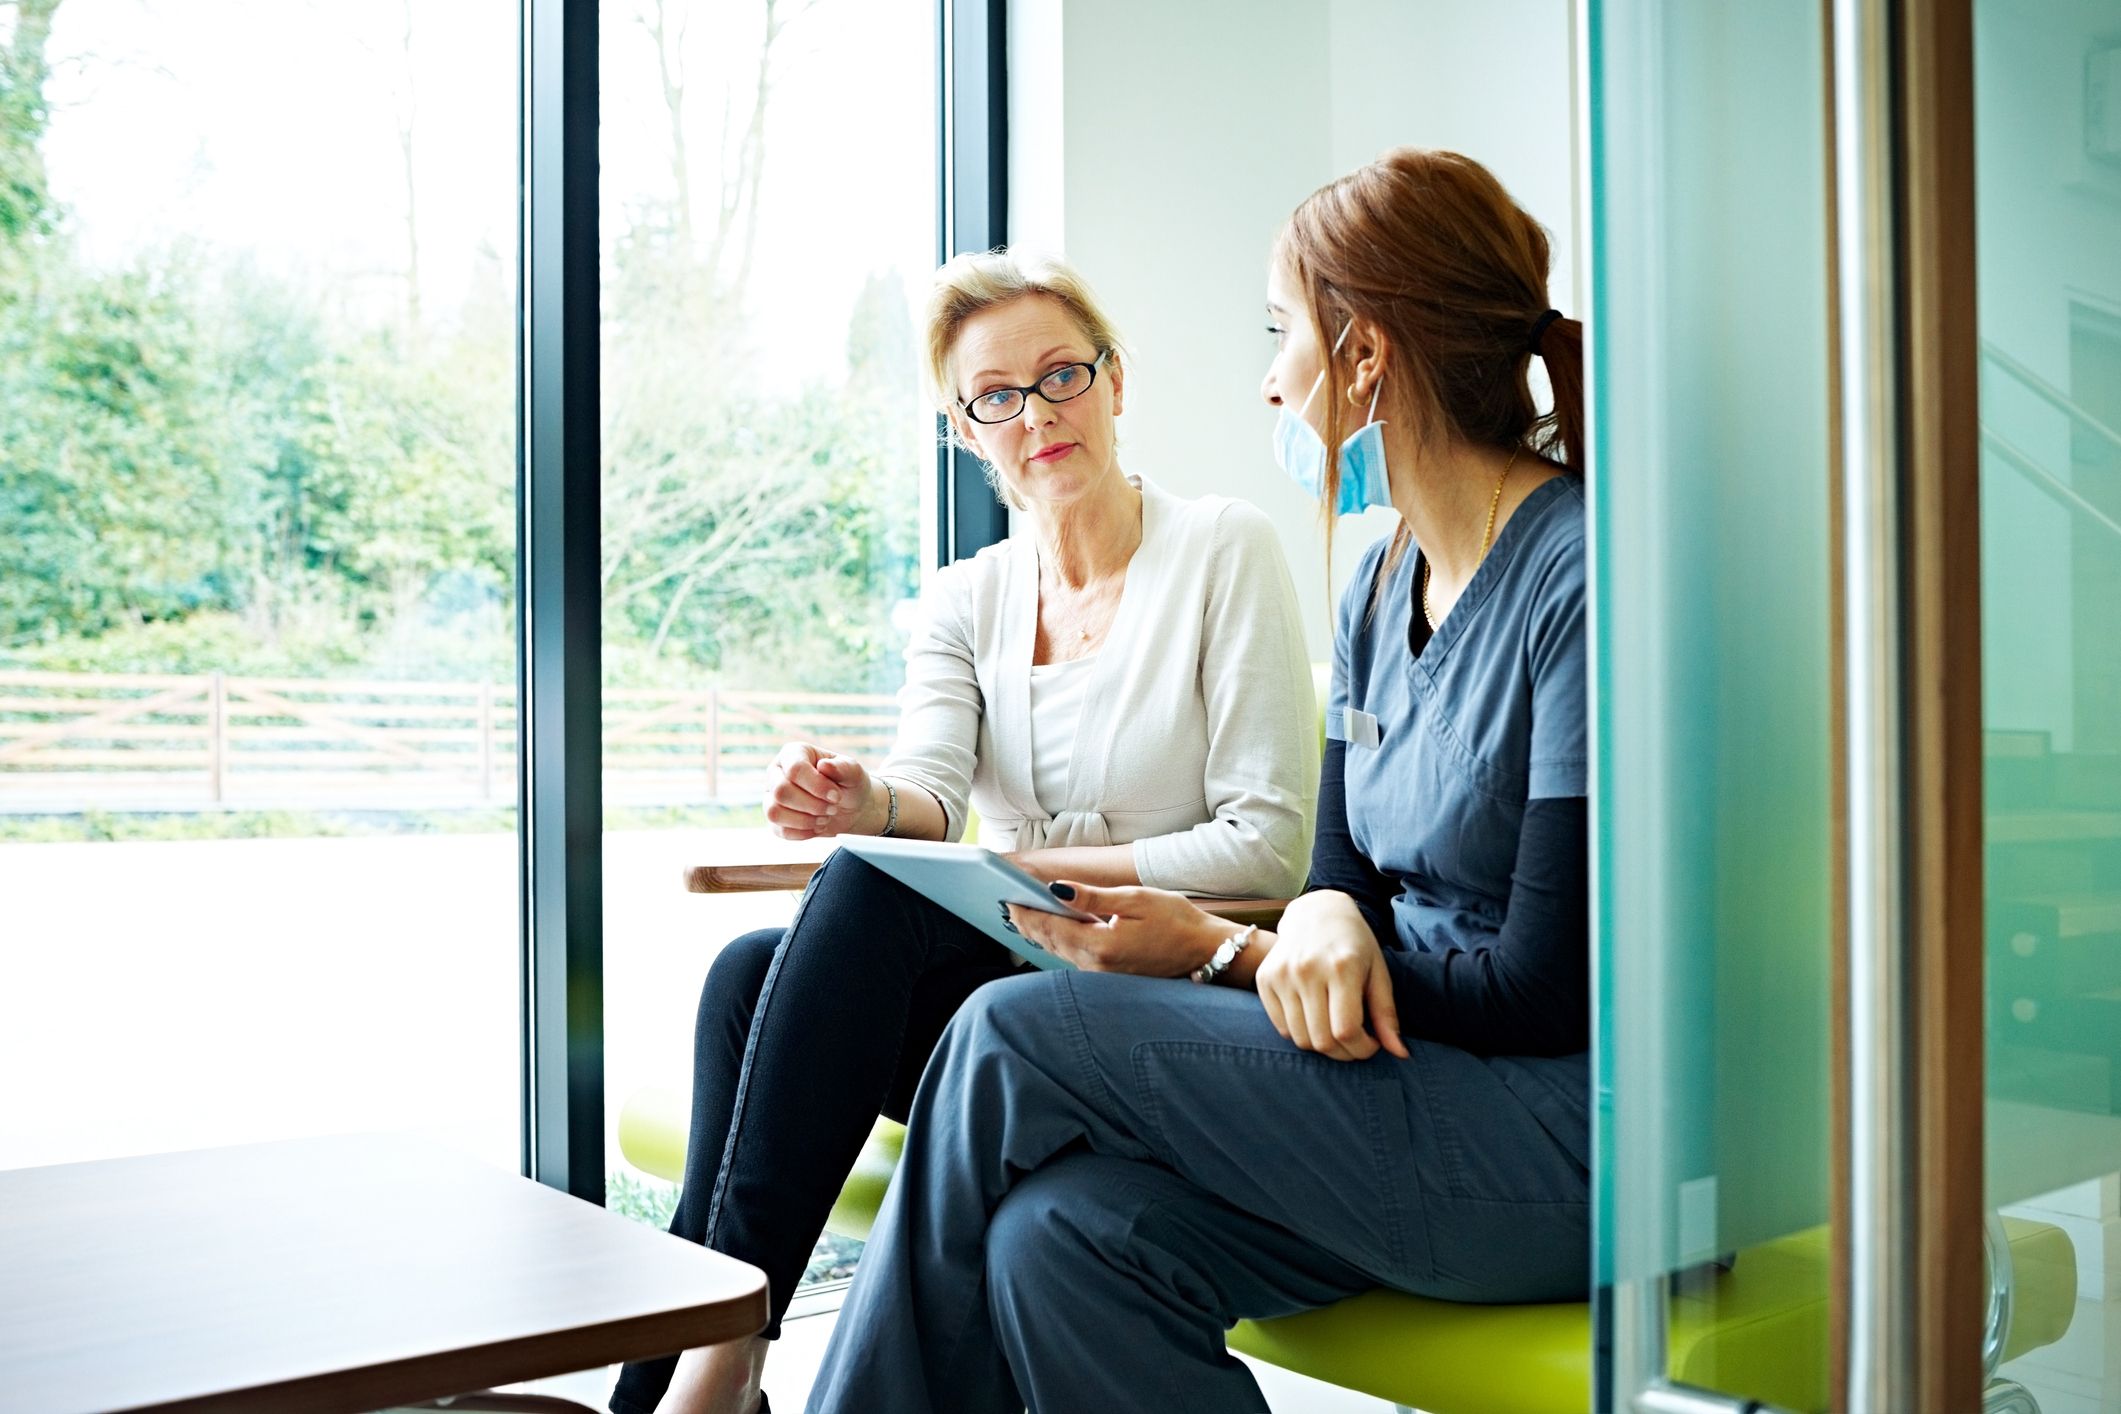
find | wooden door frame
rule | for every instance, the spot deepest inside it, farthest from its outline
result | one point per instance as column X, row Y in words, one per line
column 1941, row 685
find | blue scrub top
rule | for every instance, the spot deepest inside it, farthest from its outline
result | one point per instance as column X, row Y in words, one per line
column 1444, row 748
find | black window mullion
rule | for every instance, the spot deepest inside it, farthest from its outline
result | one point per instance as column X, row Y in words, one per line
column 975, row 216
column 558, row 600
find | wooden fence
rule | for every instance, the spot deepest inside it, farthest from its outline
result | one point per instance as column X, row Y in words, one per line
column 216, row 738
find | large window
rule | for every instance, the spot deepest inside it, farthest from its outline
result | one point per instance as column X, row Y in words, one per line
column 258, row 873
column 259, row 711
column 769, row 208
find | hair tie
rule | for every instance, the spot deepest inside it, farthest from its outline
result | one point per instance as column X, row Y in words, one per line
column 1539, row 330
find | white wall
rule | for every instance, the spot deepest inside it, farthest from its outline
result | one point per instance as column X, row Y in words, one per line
column 1159, row 147
column 1490, row 80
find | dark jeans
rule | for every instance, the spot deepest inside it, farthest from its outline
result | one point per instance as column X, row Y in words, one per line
column 805, row 1035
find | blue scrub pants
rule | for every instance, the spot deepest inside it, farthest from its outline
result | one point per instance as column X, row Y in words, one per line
column 1103, row 1173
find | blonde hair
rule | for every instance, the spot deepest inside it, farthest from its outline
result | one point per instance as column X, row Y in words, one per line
column 979, row 280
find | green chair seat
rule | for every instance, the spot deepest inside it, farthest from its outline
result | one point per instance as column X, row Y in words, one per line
column 652, row 1130
column 1758, row 1330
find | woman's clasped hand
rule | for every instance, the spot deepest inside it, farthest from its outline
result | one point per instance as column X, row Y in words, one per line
column 1324, row 975
column 812, row 794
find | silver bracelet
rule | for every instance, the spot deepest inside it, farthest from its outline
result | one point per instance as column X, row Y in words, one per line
column 891, row 816
column 1211, row 971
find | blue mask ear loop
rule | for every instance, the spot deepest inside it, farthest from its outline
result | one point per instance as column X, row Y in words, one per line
column 1320, row 380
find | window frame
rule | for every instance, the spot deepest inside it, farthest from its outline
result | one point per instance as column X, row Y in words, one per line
column 972, row 157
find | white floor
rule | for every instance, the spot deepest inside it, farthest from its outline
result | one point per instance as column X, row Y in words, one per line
column 285, row 987
column 802, row 1346
column 2080, row 1373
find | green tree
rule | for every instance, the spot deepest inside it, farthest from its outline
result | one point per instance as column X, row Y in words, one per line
column 110, row 481
column 25, row 197
column 203, row 458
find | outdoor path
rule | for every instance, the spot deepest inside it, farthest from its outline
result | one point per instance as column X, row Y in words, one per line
column 167, row 995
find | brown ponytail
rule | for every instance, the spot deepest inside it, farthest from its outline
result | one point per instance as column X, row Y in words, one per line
column 1428, row 246
column 1560, row 434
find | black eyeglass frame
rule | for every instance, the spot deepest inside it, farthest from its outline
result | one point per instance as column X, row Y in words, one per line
column 1024, row 394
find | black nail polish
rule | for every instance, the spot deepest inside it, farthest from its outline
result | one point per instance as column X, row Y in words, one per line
column 1063, row 892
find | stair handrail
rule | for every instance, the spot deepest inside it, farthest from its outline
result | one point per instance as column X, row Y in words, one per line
column 2047, row 392
column 2046, row 480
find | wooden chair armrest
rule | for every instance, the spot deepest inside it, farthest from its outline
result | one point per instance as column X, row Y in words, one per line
column 768, row 878
column 748, row 878
column 1266, row 912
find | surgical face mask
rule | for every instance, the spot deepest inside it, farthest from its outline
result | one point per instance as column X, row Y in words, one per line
column 1364, row 480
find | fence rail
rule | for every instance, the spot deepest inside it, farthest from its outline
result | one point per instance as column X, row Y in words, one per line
column 216, row 738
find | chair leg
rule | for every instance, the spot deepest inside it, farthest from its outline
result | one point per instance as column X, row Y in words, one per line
column 493, row 1401
column 2008, row 1397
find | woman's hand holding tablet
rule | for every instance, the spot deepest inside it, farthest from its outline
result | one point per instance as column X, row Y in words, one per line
column 976, row 884
column 1149, row 932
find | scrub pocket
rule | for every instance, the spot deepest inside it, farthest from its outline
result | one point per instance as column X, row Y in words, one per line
column 1318, row 1145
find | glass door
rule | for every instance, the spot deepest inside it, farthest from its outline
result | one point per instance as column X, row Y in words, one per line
column 1857, row 502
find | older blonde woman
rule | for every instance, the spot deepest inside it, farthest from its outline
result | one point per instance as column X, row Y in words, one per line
column 1119, row 689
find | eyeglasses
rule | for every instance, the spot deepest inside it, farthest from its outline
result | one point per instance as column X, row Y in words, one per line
column 1070, row 380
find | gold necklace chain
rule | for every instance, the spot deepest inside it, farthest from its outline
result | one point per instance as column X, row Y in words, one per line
column 1087, row 608
column 1486, row 538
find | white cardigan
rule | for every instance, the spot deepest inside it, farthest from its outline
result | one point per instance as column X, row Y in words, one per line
column 1198, row 742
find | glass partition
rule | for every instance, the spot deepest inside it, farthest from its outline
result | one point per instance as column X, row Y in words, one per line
column 2048, row 204
column 1713, row 694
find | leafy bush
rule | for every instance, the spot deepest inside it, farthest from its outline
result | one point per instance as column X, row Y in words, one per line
column 645, row 1200
column 651, row 1201
column 207, row 465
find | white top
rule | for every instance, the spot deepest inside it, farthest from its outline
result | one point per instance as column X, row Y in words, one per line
column 1197, row 739
column 1057, row 692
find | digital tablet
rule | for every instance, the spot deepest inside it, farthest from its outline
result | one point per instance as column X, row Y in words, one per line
column 971, row 882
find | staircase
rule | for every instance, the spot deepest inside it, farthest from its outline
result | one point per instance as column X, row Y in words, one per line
column 2053, row 923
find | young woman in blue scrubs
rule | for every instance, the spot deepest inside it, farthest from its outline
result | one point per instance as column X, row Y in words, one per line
column 1104, row 1171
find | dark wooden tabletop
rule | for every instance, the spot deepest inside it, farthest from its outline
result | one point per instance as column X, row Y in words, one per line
column 344, row 1273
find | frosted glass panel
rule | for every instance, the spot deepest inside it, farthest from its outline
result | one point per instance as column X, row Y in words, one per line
column 1713, row 652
